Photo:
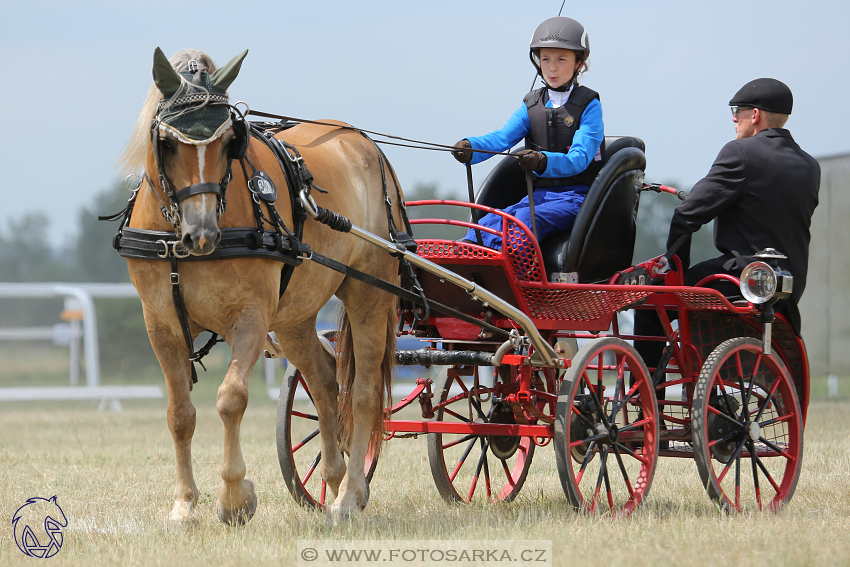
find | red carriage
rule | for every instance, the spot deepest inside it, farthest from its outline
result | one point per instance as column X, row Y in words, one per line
column 730, row 392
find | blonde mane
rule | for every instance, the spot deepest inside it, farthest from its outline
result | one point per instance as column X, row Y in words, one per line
column 135, row 154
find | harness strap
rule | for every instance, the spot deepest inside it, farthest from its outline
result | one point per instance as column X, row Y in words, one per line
column 401, row 292
column 180, row 307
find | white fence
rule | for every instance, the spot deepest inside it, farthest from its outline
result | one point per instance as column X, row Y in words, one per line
column 84, row 295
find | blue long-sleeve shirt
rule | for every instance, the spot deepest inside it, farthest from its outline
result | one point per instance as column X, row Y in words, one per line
column 584, row 148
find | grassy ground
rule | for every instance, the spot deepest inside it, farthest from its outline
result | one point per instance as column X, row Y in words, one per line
column 113, row 474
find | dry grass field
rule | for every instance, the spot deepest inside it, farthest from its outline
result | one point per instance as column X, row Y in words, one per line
column 113, row 475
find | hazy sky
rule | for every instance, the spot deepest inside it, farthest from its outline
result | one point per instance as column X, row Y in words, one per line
column 77, row 74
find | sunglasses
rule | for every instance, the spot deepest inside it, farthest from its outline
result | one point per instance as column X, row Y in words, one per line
column 737, row 109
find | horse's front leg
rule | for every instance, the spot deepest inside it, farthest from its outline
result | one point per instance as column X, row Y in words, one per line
column 237, row 500
column 170, row 349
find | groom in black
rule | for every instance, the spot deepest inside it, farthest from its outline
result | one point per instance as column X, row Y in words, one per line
column 761, row 192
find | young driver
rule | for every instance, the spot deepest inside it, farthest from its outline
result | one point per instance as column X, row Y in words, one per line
column 562, row 127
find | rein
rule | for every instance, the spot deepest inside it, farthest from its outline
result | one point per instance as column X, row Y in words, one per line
column 423, row 145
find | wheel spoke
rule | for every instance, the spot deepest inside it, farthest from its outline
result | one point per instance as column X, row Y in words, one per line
column 766, row 473
column 725, row 416
column 608, row 491
column 481, row 460
column 312, row 468
column 599, row 478
column 729, row 462
column 585, row 461
column 623, row 472
column 780, row 419
column 508, row 473
column 596, row 400
column 727, row 437
column 484, row 447
column 305, row 441
column 306, row 389
column 636, row 424
column 303, row 415
column 456, row 415
column 777, row 449
column 588, row 440
column 738, row 483
column 751, row 446
column 458, row 441
column 628, row 451
column 768, row 398
column 599, row 370
column 632, row 391
column 756, row 365
column 586, row 419
column 462, row 460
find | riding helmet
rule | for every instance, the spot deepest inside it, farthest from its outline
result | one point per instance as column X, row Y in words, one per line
column 558, row 33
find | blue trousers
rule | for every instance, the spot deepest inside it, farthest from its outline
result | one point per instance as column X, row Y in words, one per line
column 555, row 209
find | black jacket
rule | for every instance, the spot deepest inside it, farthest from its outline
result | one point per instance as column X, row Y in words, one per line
column 762, row 192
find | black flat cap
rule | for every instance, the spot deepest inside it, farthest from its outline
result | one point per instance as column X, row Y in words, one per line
column 765, row 94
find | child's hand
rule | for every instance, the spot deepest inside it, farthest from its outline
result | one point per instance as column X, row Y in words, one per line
column 463, row 151
column 529, row 161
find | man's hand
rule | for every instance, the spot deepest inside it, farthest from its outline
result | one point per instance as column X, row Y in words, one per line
column 529, row 161
column 463, row 151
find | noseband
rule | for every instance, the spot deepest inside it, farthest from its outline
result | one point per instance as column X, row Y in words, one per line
column 175, row 197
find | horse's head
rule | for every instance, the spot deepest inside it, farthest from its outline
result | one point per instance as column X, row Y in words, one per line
column 195, row 136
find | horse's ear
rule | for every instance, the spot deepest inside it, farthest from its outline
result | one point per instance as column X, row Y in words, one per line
column 167, row 80
column 224, row 76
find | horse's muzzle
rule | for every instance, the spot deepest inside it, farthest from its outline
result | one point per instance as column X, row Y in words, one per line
column 200, row 217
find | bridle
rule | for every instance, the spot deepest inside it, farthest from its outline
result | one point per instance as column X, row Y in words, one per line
column 237, row 150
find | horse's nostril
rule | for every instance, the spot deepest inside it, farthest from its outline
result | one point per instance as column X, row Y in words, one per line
column 187, row 241
column 217, row 238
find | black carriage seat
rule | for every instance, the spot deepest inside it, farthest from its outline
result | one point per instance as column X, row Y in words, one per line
column 603, row 237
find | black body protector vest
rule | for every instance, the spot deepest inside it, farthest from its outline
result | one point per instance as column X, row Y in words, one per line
column 552, row 130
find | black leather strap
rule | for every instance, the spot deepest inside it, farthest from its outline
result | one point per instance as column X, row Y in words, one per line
column 402, row 293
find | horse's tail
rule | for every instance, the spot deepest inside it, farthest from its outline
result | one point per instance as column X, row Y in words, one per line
column 345, row 371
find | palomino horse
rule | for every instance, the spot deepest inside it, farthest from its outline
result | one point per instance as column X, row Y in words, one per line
column 239, row 298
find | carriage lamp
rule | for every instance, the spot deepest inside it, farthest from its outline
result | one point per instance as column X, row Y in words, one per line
column 763, row 281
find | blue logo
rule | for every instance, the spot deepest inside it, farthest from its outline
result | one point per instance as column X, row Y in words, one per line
column 38, row 527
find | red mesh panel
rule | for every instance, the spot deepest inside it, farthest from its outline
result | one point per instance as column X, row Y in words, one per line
column 521, row 253
column 577, row 304
column 451, row 249
column 701, row 301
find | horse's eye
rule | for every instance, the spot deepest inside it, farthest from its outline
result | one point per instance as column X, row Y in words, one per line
column 166, row 144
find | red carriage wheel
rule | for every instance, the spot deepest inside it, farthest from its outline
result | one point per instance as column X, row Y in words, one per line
column 468, row 467
column 747, row 427
column 606, row 429
column 298, row 442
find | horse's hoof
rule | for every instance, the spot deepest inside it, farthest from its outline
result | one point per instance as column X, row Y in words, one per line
column 366, row 495
column 181, row 519
column 337, row 515
column 242, row 515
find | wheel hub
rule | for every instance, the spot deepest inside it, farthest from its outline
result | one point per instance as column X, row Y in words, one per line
column 719, row 428
column 503, row 446
column 754, row 430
